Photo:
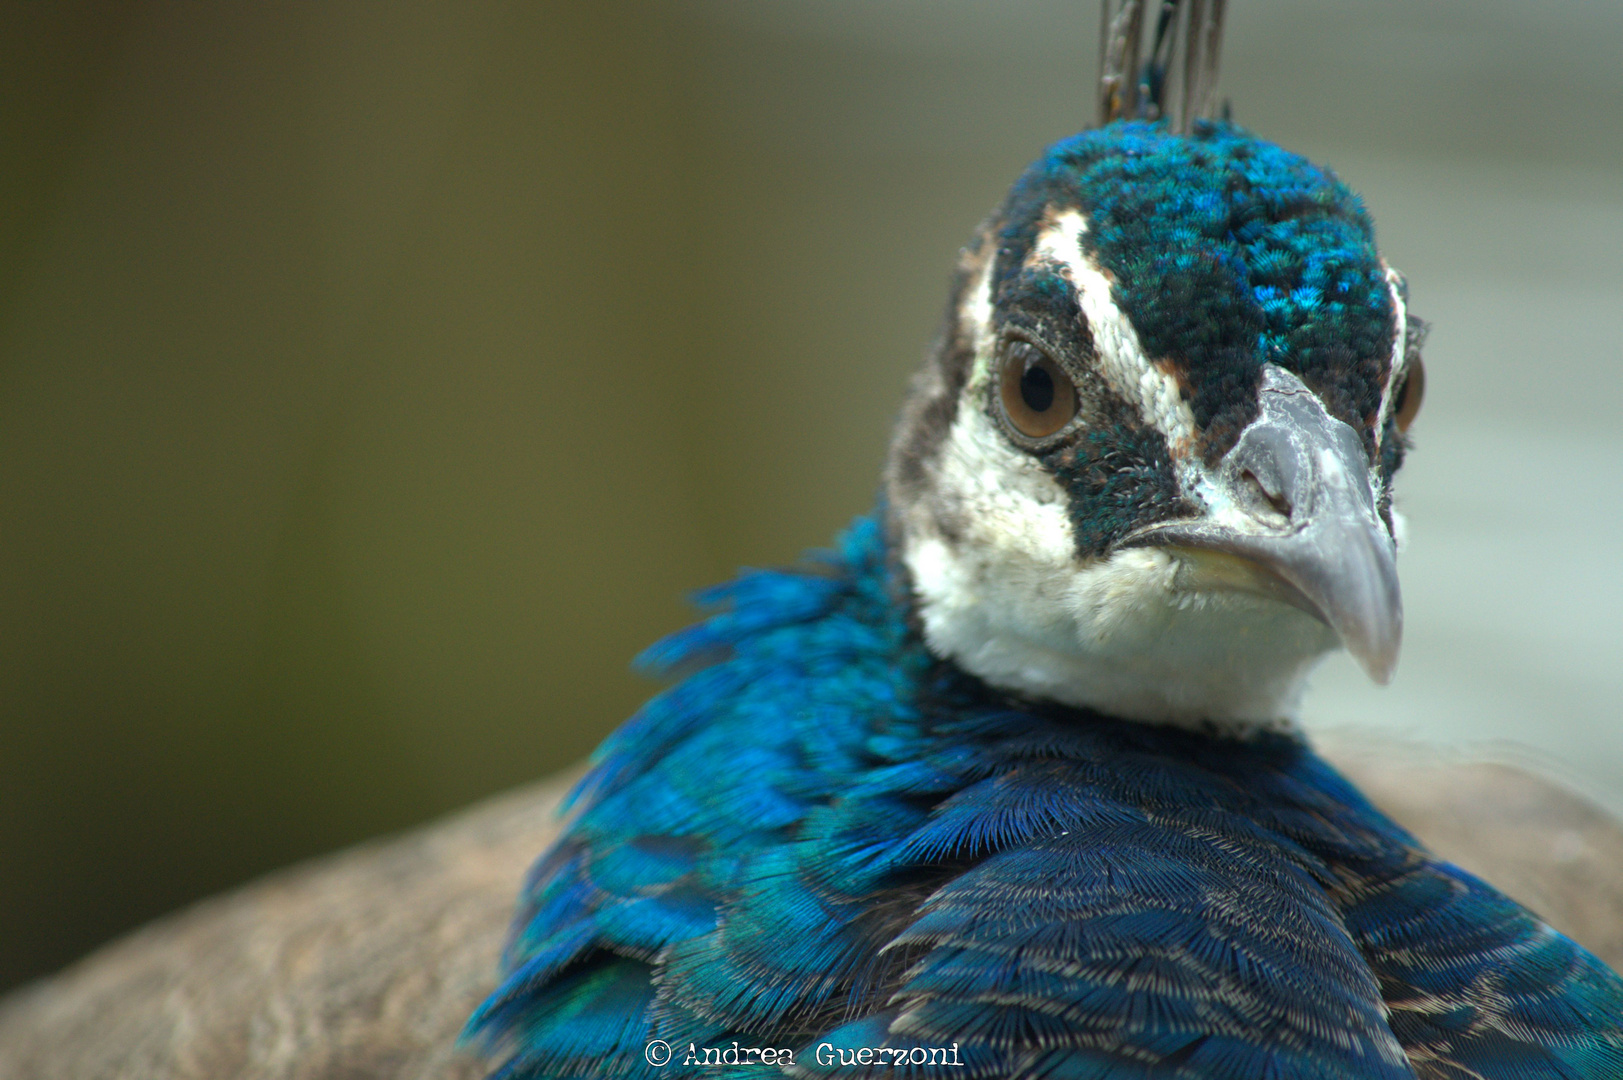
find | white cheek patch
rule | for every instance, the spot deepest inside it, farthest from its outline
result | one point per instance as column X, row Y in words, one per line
column 1007, row 597
column 1008, row 516
column 1012, row 509
column 1122, row 362
column 1003, row 592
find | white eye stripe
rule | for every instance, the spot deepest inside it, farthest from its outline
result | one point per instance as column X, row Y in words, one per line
column 1122, row 362
column 1400, row 348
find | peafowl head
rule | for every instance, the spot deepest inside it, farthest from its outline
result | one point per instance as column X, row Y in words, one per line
column 1148, row 467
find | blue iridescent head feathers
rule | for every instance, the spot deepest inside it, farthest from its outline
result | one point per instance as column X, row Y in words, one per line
column 1227, row 253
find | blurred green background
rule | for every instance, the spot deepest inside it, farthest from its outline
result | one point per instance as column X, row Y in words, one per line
column 376, row 378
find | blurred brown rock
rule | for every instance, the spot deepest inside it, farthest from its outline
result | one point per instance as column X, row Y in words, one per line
column 364, row 964
column 359, row 965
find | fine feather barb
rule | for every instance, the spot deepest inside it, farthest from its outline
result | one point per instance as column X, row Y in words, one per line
column 1175, row 76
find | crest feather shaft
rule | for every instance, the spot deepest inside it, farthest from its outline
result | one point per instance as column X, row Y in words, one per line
column 1173, row 74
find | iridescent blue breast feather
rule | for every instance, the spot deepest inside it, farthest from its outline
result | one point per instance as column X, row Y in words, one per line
column 825, row 836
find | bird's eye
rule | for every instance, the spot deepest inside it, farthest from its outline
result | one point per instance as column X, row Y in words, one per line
column 1038, row 397
column 1407, row 403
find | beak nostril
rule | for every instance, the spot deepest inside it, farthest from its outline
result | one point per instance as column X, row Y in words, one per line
column 1280, row 504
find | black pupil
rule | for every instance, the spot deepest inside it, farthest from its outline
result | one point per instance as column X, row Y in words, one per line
column 1037, row 389
column 1403, row 396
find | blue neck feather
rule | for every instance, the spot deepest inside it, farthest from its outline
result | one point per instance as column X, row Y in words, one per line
column 823, row 835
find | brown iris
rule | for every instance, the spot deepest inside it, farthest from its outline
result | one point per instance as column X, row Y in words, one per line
column 1038, row 397
column 1407, row 403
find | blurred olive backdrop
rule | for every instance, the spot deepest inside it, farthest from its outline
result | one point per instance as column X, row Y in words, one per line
column 377, row 377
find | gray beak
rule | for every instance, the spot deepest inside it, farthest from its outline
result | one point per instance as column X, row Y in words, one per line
column 1301, row 507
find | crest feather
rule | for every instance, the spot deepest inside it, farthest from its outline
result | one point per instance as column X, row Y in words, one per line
column 1176, row 77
